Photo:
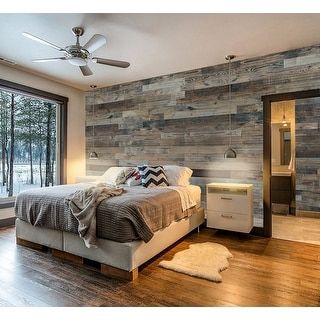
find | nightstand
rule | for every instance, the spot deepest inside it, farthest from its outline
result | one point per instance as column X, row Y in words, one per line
column 230, row 206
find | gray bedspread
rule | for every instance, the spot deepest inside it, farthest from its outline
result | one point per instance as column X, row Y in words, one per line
column 135, row 214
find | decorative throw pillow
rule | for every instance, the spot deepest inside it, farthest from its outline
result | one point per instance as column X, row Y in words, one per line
column 134, row 179
column 124, row 175
column 153, row 176
column 178, row 176
column 110, row 177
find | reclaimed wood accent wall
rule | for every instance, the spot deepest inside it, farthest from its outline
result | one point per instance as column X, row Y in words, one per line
column 308, row 155
column 182, row 118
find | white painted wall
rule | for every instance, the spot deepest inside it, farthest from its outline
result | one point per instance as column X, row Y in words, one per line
column 76, row 114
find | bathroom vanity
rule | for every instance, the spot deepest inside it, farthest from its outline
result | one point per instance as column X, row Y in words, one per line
column 281, row 185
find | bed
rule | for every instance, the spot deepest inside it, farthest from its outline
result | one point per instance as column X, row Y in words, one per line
column 125, row 240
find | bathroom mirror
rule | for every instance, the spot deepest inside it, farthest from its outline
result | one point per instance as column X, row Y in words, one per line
column 285, row 146
column 281, row 144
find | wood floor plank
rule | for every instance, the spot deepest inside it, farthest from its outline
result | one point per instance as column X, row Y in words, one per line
column 263, row 272
column 296, row 228
column 19, row 298
column 24, row 282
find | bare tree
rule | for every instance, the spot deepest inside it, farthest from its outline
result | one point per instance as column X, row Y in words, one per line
column 39, row 137
column 48, row 144
column 4, row 135
column 10, row 189
column 26, row 121
column 30, row 151
column 27, row 138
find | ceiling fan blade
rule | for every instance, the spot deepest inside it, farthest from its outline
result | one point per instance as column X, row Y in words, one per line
column 49, row 59
column 109, row 62
column 85, row 70
column 30, row 36
column 96, row 42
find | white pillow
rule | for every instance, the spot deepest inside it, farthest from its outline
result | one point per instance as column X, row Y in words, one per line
column 111, row 175
column 178, row 176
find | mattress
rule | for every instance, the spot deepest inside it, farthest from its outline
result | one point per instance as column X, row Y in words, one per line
column 136, row 214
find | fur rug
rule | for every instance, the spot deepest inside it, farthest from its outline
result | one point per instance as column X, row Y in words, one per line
column 203, row 260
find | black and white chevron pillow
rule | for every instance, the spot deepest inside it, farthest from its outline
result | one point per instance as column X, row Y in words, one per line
column 153, row 176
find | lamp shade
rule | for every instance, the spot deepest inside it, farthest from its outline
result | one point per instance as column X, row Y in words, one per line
column 230, row 153
column 78, row 61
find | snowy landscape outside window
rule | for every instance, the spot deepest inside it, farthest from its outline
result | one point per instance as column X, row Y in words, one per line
column 27, row 143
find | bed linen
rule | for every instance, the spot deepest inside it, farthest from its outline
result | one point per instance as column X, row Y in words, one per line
column 136, row 214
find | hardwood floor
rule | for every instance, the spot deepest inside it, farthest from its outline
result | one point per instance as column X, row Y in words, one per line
column 303, row 229
column 263, row 272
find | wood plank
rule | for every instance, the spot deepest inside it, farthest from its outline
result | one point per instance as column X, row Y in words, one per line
column 119, row 273
column 179, row 114
column 30, row 244
column 262, row 272
column 67, row 256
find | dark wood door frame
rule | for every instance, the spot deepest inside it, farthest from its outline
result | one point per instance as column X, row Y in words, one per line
column 267, row 100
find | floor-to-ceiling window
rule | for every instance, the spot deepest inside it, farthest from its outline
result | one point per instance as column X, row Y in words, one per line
column 32, row 140
column 28, row 153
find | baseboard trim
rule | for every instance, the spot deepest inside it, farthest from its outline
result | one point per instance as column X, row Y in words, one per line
column 7, row 222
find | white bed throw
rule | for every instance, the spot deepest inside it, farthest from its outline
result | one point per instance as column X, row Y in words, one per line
column 83, row 204
column 187, row 200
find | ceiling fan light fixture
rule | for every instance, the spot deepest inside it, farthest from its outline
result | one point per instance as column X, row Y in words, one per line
column 79, row 55
column 77, row 61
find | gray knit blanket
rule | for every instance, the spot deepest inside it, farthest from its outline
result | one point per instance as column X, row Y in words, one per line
column 83, row 205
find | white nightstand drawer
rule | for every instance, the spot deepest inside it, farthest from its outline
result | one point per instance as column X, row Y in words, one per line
column 229, row 203
column 229, row 221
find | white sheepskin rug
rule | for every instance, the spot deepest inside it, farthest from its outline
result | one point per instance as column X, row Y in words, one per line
column 203, row 260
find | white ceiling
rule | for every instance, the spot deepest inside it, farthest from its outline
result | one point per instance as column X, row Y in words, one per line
column 154, row 44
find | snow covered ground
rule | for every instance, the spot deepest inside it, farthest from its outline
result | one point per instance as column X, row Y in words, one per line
column 21, row 179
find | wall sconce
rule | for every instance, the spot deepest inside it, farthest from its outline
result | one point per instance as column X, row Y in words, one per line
column 230, row 153
column 93, row 155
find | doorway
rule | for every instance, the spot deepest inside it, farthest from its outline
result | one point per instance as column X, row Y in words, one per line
column 283, row 157
column 292, row 166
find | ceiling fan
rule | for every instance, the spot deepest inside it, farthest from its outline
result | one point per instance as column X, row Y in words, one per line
column 80, row 55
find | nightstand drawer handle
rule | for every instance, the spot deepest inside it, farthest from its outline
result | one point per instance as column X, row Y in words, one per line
column 226, row 198
column 229, row 216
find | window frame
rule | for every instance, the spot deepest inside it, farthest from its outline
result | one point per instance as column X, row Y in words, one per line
column 62, row 122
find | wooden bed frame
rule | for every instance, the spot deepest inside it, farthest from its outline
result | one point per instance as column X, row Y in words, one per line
column 115, row 259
